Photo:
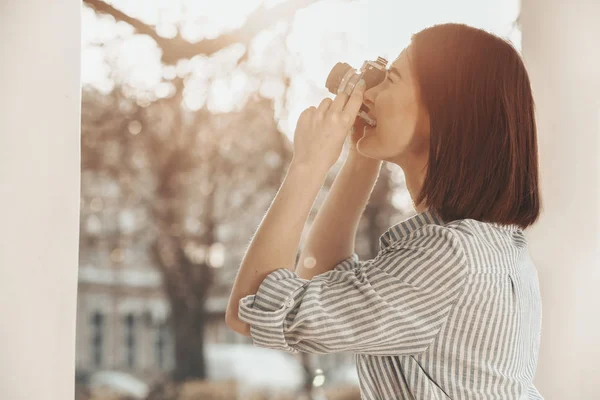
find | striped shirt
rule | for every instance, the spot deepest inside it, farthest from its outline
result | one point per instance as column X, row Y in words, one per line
column 444, row 311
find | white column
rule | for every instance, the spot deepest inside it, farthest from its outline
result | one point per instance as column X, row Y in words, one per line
column 39, row 196
column 561, row 47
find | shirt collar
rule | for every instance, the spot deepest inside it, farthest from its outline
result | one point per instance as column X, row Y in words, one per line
column 405, row 227
column 427, row 217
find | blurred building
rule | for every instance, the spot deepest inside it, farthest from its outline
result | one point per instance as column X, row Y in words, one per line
column 122, row 312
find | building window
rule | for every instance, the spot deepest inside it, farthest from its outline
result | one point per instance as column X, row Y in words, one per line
column 160, row 345
column 130, row 340
column 97, row 338
column 161, row 334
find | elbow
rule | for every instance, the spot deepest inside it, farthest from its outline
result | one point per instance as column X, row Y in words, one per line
column 230, row 316
column 229, row 320
column 237, row 325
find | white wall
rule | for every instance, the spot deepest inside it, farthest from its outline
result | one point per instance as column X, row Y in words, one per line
column 561, row 47
column 39, row 196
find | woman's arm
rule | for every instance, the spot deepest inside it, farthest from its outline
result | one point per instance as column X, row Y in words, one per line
column 333, row 233
column 275, row 243
column 318, row 142
column 392, row 305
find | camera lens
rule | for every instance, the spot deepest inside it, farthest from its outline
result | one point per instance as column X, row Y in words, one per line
column 336, row 75
column 372, row 72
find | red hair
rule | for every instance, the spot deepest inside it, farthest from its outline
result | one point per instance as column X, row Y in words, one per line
column 483, row 158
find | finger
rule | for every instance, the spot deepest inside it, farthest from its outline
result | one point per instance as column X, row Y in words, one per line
column 307, row 114
column 324, row 106
column 354, row 102
column 308, row 111
column 338, row 102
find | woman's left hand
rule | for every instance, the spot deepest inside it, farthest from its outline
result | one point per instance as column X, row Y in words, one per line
column 321, row 131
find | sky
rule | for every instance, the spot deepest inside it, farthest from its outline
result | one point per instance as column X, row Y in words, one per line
column 319, row 36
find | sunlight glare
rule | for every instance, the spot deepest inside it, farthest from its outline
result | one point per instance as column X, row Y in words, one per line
column 320, row 35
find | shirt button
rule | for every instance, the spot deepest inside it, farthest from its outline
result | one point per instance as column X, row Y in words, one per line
column 289, row 302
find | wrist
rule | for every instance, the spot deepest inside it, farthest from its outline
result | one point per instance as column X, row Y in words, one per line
column 307, row 169
column 354, row 157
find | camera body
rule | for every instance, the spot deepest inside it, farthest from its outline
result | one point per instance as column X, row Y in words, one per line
column 343, row 78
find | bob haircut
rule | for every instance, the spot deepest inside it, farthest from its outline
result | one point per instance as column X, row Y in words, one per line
column 483, row 157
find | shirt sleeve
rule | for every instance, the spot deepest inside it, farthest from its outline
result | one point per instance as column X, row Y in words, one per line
column 394, row 304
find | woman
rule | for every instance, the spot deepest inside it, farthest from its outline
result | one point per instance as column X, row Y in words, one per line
column 450, row 306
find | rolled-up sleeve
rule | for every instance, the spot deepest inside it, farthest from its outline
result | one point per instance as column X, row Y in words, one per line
column 394, row 304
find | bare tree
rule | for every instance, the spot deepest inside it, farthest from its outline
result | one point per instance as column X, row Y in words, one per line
column 177, row 48
column 179, row 160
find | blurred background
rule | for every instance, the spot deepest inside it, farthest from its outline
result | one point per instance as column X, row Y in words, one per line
column 188, row 111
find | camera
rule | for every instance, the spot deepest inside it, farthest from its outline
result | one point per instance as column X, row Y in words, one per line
column 343, row 78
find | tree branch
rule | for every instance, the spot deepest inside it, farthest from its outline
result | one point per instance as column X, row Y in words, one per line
column 177, row 48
